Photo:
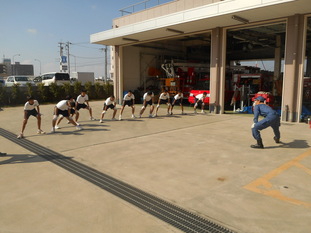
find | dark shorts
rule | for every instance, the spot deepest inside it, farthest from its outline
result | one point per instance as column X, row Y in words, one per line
column 64, row 113
column 200, row 102
column 176, row 102
column 81, row 106
column 72, row 111
column 148, row 103
column 108, row 106
column 164, row 101
column 128, row 103
column 32, row 112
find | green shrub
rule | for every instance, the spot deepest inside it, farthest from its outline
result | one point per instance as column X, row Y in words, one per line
column 77, row 87
column 68, row 89
column 3, row 99
column 108, row 88
column 43, row 93
column 99, row 90
column 29, row 91
column 56, row 91
column 15, row 94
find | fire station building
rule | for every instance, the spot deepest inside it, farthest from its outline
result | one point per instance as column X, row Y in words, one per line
column 204, row 44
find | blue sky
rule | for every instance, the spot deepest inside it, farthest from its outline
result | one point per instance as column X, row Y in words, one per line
column 33, row 29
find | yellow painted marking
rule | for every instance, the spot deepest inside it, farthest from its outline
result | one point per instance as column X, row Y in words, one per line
column 263, row 185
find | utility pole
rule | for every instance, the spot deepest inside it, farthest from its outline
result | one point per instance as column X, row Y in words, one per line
column 61, row 56
column 68, row 55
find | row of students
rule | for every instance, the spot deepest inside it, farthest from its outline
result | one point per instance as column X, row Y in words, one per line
column 69, row 107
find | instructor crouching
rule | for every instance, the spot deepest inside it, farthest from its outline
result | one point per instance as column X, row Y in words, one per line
column 271, row 118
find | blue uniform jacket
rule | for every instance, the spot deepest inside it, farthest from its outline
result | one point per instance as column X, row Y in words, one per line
column 266, row 111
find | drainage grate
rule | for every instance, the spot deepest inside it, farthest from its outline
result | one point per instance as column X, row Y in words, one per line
column 172, row 214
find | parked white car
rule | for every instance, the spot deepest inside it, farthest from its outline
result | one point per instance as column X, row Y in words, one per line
column 55, row 77
column 18, row 80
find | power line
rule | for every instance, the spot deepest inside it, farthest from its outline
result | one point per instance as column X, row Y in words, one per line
column 88, row 47
column 87, row 57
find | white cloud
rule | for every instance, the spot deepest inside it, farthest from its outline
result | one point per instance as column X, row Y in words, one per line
column 32, row 31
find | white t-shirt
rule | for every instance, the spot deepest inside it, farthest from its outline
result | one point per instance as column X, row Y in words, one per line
column 200, row 97
column 178, row 97
column 148, row 97
column 164, row 96
column 62, row 105
column 29, row 106
column 127, row 97
column 108, row 101
column 82, row 99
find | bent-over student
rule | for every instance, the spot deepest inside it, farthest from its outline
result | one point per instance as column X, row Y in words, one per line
column 164, row 99
column 83, row 102
column 129, row 100
column 178, row 99
column 109, row 103
column 148, row 99
column 63, row 108
column 31, row 108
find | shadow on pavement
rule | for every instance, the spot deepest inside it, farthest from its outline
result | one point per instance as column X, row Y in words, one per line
column 293, row 144
column 24, row 158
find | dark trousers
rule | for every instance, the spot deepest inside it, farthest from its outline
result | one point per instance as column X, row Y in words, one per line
column 274, row 123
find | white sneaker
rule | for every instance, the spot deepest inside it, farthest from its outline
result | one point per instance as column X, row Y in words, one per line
column 155, row 115
column 120, row 118
column 78, row 127
column 92, row 119
column 57, row 127
column 40, row 131
column 20, row 136
column 53, row 130
column 139, row 116
column 133, row 116
column 68, row 122
column 101, row 121
column 113, row 119
column 203, row 111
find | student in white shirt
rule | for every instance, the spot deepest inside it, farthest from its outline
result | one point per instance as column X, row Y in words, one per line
column 109, row 103
column 63, row 108
column 178, row 99
column 83, row 102
column 129, row 100
column 164, row 99
column 72, row 111
column 31, row 108
column 148, row 100
column 199, row 100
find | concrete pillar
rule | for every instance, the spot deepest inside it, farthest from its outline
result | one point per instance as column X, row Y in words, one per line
column 277, row 63
column 217, row 74
column 118, row 78
column 308, row 68
column 293, row 71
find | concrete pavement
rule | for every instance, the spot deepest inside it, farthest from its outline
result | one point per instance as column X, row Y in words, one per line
column 202, row 163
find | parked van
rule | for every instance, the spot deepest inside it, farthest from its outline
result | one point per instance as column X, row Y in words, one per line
column 55, row 77
column 18, row 80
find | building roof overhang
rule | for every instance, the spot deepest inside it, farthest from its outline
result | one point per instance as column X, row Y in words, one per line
column 221, row 14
